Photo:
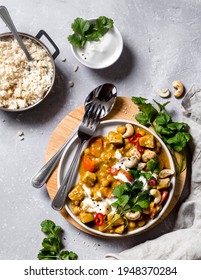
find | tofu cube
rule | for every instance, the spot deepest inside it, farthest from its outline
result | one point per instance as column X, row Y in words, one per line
column 86, row 217
column 77, row 193
column 89, row 178
column 147, row 141
column 115, row 138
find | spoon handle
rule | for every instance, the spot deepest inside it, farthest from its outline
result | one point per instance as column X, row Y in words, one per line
column 61, row 195
column 8, row 21
column 40, row 178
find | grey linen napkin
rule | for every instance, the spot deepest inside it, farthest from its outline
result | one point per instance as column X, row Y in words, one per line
column 184, row 241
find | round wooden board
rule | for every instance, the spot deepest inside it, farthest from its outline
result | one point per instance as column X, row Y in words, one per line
column 124, row 109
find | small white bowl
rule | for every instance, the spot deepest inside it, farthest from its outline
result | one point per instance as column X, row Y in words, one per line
column 103, row 53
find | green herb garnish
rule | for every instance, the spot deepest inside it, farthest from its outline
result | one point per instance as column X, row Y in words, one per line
column 52, row 244
column 131, row 197
column 85, row 31
column 172, row 133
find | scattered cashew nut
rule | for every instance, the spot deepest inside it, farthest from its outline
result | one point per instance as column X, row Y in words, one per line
column 164, row 93
column 129, row 130
column 133, row 215
column 179, row 88
column 156, row 194
column 130, row 162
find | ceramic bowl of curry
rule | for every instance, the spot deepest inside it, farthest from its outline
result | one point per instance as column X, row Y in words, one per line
column 125, row 180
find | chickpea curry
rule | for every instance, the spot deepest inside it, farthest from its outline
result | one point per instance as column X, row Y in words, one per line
column 124, row 180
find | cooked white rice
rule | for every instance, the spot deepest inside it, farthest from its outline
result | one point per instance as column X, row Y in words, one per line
column 21, row 85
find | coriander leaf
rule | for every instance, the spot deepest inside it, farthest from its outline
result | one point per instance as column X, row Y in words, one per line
column 136, row 208
column 46, row 255
column 121, row 202
column 47, row 226
column 161, row 106
column 104, row 21
column 52, row 243
column 187, row 136
column 119, row 190
column 134, row 173
column 138, row 100
column 66, row 255
column 166, row 131
column 144, row 203
column 86, row 31
column 147, row 175
column 179, row 141
column 158, row 128
column 163, row 118
column 149, row 110
column 176, row 126
column 143, row 199
column 137, row 185
column 153, row 165
column 77, row 40
column 80, row 26
column 142, row 118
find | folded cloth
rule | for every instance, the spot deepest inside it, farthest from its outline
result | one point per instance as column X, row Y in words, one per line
column 184, row 241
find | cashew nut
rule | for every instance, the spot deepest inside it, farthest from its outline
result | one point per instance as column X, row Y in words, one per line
column 163, row 93
column 132, row 216
column 130, row 162
column 129, row 130
column 134, row 152
column 141, row 165
column 165, row 173
column 148, row 154
column 156, row 194
column 179, row 88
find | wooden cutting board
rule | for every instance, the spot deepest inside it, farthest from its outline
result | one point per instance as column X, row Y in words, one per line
column 124, row 109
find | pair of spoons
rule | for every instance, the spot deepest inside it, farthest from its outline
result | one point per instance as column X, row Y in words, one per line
column 105, row 95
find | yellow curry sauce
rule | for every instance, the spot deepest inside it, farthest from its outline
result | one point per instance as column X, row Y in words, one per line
column 103, row 168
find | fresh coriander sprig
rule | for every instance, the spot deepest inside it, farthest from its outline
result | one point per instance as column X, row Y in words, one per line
column 172, row 133
column 85, row 31
column 52, row 244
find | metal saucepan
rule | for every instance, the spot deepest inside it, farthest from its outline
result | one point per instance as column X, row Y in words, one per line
column 37, row 40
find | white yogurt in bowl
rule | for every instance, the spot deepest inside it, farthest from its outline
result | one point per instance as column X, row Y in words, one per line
column 103, row 53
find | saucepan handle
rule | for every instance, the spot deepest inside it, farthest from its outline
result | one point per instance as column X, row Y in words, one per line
column 43, row 33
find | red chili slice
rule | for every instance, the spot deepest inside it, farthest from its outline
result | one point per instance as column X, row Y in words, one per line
column 135, row 138
column 140, row 149
column 99, row 219
column 164, row 196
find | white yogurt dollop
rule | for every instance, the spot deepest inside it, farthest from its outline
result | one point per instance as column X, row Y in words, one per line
column 100, row 54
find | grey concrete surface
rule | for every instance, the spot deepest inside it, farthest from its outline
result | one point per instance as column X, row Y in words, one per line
column 162, row 42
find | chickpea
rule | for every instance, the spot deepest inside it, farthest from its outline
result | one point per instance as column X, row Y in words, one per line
column 87, row 151
column 115, row 184
column 105, row 183
column 141, row 223
column 140, row 131
column 131, row 225
column 75, row 209
column 128, row 146
column 121, row 129
column 110, row 178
